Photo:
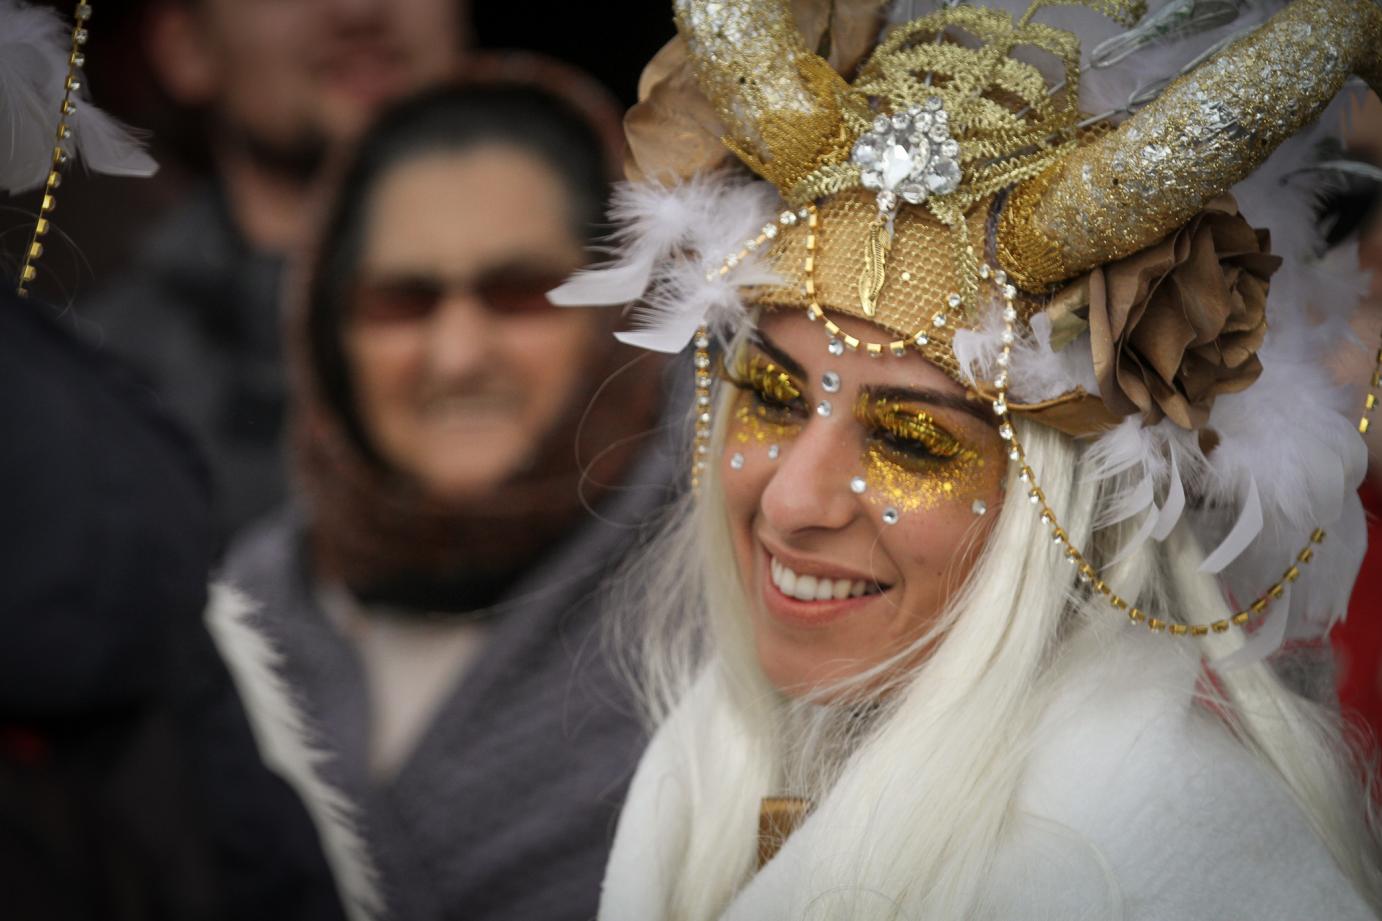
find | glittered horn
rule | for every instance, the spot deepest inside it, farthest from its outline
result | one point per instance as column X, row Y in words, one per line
column 782, row 105
column 1207, row 131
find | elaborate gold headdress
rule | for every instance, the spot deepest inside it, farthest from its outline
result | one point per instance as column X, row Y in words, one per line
column 950, row 191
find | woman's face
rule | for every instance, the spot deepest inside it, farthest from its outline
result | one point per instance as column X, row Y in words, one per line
column 460, row 365
column 852, row 524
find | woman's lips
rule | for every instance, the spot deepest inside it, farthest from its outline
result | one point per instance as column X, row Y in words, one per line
column 812, row 599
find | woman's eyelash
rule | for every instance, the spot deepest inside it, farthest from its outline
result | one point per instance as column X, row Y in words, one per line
column 909, row 431
column 769, row 384
column 922, row 434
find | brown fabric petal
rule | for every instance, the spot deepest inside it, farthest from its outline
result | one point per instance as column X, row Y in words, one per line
column 841, row 31
column 673, row 131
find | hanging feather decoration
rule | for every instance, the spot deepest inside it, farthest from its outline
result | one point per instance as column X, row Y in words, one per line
column 33, row 73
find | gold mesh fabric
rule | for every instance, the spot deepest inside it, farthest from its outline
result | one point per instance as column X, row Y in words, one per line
column 923, row 270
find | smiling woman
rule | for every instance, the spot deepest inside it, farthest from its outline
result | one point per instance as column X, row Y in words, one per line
column 847, row 578
column 1007, row 505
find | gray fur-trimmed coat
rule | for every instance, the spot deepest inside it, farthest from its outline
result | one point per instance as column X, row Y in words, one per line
column 505, row 809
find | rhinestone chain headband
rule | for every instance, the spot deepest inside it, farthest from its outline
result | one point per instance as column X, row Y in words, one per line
column 75, row 59
column 997, row 277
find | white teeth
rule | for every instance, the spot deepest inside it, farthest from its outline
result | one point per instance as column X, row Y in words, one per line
column 817, row 588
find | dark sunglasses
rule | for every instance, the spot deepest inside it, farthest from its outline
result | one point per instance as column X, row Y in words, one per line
column 504, row 292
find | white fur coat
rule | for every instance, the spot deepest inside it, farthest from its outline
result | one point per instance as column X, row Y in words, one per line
column 1135, row 804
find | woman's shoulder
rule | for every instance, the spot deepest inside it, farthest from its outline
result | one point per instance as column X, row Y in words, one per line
column 1136, row 788
column 267, row 553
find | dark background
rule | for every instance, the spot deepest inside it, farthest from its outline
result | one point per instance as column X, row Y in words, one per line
column 98, row 222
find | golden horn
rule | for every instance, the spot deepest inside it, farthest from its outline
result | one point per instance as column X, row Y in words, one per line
column 781, row 104
column 1208, row 130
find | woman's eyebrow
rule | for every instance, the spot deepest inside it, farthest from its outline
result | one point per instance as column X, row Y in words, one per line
column 933, row 398
column 790, row 364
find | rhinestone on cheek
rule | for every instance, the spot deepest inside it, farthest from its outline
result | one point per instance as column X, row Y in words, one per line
column 858, row 485
column 737, row 461
column 890, row 515
column 823, row 408
column 773, row 452
column 830, row 382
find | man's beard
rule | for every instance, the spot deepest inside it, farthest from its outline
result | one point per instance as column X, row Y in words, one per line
column 297, row 159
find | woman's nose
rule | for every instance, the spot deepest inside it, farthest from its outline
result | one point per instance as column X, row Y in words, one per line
column 459, row 336
column 810, row 485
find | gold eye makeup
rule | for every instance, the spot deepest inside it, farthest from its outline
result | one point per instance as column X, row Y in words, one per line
column 912, row 461
column 770, row 405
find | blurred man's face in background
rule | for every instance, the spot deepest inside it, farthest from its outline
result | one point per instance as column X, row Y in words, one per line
column 290, row 78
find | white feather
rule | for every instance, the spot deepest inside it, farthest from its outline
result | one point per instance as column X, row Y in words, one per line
column 106, row 146
column 667, row 253
column 1036, row 372
column 1245, row 529
column 34, row 45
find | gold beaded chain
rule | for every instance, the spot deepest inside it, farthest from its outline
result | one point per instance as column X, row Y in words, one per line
column 1087, row 572
column 1370, row 401
column 701, row 357
column 701, row 447
column 1016, row 453
column 897, row 347
column 75, row 60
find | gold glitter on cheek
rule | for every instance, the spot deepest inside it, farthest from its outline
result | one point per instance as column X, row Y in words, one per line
column 749, row 426
column 920, row 486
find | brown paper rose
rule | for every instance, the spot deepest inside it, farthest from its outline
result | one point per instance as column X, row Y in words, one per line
column 1179, row 323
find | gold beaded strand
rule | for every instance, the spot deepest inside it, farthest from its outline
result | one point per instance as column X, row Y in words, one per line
column 75, row 60
column 841, row 340
column 701, row 447
column 1087, row 573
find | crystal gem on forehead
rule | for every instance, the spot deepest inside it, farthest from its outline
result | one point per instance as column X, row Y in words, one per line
column 909, row 154
column 858, row 485
column 830, row 382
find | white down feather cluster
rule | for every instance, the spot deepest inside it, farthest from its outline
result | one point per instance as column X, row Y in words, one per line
column 1288, row 457
column 668, row 250
column 34, row 45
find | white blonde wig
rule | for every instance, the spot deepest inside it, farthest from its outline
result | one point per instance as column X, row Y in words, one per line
column 921, row 790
